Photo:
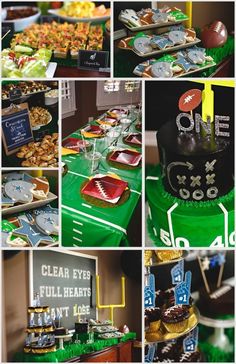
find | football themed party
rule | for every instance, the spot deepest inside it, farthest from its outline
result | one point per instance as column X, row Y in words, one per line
column 117, row 165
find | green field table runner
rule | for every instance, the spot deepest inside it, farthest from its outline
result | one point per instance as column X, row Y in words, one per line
column 84, row 224
column 71, row 350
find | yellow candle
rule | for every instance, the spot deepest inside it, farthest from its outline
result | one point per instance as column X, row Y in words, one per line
column 207, row 102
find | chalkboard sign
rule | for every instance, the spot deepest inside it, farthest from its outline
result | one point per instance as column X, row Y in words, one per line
column 92, row 60
column 65, row 282
column 16, row 128
column 7, row 28
column 15, row 94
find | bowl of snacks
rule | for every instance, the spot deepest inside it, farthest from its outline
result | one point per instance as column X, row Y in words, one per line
column 39, row 117
column 51, row 97
column 21, row 16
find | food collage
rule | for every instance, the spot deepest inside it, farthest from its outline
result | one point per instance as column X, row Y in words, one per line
column 117, row 165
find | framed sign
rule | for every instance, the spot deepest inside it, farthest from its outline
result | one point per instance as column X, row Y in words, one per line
column 15, row 94
column 93, row 60
column 66, row 282
column 16, row 128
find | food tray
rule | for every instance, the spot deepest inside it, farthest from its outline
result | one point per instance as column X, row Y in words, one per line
column 130, row 139
column 152, row 26
column 178, row 75
column 39, row 126
column 162, row 51
column 93, row 19
column 26, row 96
column 28, row 206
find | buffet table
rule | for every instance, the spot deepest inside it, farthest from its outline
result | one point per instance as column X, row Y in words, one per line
column 112, row 350
column 84, row 224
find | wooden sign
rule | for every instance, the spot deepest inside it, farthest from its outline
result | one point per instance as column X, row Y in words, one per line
column 66, row 282
column 16, row 128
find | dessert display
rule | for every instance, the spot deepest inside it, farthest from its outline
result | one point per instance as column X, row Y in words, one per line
column 167, row 42
column 215, row 298
column 190, row 197
column 26, row 88
column 177, row 64
column 40, row 331
column 170, row 315
column 27, row 105
column 148, row 45
column 151, row 18
column 27, row 217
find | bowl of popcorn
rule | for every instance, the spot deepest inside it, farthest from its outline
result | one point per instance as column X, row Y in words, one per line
column 51, row 97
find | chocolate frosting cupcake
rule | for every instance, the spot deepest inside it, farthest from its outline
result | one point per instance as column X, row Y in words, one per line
column 175, row 318
column 174, row 314
column 153, row 314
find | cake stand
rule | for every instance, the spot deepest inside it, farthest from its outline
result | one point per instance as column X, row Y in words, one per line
column 218, row 338
column 61, row 339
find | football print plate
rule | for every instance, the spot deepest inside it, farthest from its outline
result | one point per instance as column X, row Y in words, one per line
column 127, row 157
column 93, row 129
column 134, row 139
column 75, row 144
column 105, row 188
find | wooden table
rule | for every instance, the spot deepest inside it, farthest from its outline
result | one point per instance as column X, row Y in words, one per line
column 121, row 353
column 66, row 72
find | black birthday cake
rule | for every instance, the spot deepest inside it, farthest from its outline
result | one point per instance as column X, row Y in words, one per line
column 220, row 301
column 190, row 193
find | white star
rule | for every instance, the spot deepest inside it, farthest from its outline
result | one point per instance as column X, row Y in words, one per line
column 181, row 179
column 196, row 181
column 205, row 263
column 210, row 179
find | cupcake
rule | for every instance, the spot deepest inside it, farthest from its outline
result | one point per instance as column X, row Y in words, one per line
column 153, row 318
column 167, row 255
column 166, row 350
column 175, row 318
column 170, row 300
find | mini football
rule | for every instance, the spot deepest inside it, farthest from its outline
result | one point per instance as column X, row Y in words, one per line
column 190, row 100
column 214, row 35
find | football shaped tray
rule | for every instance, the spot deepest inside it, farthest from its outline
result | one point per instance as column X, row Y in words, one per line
column 157, row 51
column 163, row 335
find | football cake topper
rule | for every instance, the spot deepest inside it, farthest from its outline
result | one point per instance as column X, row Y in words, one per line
column 190, row 100
column 206, row 263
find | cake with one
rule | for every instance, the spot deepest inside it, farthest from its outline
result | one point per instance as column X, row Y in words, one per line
column 190, row 193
